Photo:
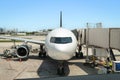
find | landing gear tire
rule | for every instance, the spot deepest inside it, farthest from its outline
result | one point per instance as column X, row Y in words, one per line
column 79, row 55
column 42, row 54
column 92, row 65
column 60, row 71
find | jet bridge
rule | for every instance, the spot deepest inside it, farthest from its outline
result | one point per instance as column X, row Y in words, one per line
column 100, row 37
column 104, row 37
column 102, row 40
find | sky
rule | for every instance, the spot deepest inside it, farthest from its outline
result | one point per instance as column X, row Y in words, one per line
column 34, row 15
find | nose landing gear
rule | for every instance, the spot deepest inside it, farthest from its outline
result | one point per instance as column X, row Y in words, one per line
column 60, row 70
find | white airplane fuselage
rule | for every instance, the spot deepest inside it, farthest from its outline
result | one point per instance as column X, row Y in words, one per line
column 61, row 44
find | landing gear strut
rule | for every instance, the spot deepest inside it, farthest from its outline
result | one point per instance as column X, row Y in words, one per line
column 79, row 54
column 42, row 53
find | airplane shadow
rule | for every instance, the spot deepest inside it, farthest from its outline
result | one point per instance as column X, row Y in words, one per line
column 48, row 68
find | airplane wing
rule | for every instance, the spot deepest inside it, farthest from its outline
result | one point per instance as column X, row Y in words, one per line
column 22, row 39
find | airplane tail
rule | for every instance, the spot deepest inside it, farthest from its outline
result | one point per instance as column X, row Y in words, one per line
column 60, row 18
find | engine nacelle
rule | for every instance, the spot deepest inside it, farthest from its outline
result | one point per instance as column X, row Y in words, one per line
column 23, row 51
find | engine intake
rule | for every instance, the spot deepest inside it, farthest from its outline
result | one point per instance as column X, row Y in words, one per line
column 23, row 51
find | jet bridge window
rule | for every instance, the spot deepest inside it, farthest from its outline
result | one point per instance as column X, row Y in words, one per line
column 61, row 40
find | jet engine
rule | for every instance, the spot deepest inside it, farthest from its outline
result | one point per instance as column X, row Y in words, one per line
column 23, row 51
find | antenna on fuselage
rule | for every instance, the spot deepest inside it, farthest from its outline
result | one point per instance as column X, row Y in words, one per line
column 60, row 18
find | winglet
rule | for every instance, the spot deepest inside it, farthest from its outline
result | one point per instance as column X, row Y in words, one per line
column 60, row 18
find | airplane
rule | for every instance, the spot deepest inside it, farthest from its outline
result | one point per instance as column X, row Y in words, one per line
column 60, row 45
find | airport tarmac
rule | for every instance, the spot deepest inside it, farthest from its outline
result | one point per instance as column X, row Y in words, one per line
column 38, row 68
column 35, row 67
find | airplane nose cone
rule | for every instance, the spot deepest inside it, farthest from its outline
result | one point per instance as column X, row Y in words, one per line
column 62, row 48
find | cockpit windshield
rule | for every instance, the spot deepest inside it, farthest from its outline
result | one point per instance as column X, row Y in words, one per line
column 61, row 40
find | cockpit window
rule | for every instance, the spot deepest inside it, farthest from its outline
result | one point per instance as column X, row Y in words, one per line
column 61, row 40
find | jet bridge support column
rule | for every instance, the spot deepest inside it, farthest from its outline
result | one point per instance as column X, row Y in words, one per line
column 112, row 54
column 87, row 40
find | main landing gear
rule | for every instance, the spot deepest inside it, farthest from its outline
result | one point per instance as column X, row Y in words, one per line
column 42, row 53
column 79, row 54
